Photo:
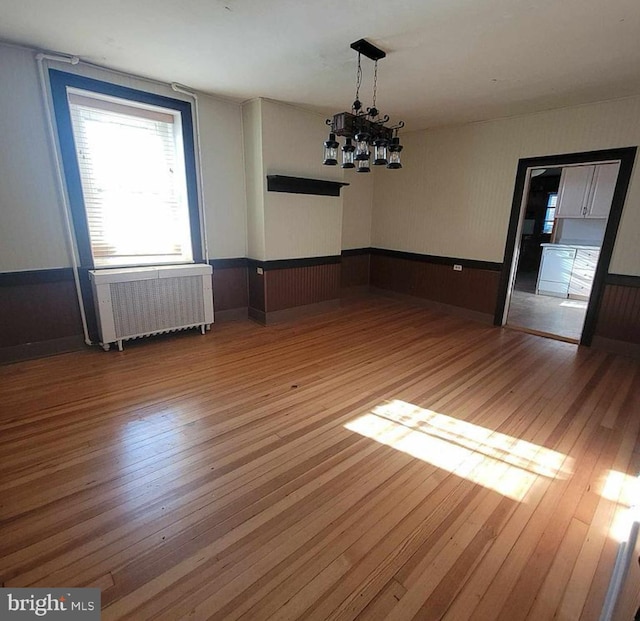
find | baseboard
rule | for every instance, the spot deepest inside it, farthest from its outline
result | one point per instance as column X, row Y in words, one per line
column 41, row 349
column 231, row 314
column 616, row 347
column 458, row 311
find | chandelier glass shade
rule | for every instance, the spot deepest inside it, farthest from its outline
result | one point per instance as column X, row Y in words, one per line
column 364, row 127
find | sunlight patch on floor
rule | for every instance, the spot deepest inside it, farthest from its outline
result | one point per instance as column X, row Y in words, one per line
column 624, row 490
column 573, row 304
column 500, row 462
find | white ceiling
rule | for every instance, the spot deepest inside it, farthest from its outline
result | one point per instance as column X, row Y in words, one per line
column 448, row 61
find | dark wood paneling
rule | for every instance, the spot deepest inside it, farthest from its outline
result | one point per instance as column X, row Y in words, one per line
column 256, row 290
column 355, row 270
column 474, row 289
column 619, row 316
column 36, row 277
column 286, row 288
column 230, row 288
column 38, row 312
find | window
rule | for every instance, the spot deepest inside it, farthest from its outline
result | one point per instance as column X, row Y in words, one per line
column 550, row 214
column 130, row 169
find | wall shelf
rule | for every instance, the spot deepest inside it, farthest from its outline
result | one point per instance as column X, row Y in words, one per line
column 302, row 185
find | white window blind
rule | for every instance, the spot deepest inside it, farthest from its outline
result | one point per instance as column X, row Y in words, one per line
column 131, row 163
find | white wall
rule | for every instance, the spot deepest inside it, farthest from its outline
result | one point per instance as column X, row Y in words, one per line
column 31, row 217
column 298, row 225
column 580, row 231
column 453, row 196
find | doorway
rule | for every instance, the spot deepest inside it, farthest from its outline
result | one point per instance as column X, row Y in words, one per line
column 560, row 242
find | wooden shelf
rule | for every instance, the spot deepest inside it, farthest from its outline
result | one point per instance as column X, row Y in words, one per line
column 302, row 185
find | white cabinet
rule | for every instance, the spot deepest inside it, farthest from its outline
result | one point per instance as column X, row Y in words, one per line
column 582, row 273
column 603, row 185
column 554, row 275
column 586, row 191
column 573, row 192
column 567, row 271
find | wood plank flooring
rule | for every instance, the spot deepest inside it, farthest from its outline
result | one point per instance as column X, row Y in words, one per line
column 381, row 461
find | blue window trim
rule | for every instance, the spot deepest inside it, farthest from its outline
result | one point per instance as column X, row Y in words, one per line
column 60, row 81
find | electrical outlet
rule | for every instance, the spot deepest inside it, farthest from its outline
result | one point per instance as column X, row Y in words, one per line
column 457, row 267
column 260, row 271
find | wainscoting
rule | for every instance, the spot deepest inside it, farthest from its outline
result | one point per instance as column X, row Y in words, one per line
column 356, row 268
column 298, row 286
column 475, row 288
column 618, row 324
column 230, row 289
column 39, row 312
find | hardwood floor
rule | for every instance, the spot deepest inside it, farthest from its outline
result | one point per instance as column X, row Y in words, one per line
column 381, row 461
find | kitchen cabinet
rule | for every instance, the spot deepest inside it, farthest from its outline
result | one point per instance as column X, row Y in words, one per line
column 554, row 275
column 586, row 191
column 582, row 273
column 567, row 271
column 603, row 185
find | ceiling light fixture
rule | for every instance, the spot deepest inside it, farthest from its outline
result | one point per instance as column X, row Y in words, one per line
column 366, row 127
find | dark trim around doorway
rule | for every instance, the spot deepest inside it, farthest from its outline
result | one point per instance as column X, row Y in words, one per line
column 626, row 156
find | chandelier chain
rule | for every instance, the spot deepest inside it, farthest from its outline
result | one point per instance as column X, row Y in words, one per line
column 358, row 78
column 375, row 83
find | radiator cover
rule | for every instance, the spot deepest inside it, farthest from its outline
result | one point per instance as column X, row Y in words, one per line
column 135, row 302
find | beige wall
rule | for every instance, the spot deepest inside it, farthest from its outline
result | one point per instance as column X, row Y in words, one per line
column 254, row 175
column 298, row 225
column 32, row 233
column 453, row 196
column 223, row 177
column 31, row 219
column 357, row 208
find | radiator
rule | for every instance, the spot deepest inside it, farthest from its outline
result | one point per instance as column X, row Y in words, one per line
column 140, row 301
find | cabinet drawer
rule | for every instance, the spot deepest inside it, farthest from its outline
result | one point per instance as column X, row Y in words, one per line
column 557, row 289
column 587, row 254
column 586, row 259
column 584, row 282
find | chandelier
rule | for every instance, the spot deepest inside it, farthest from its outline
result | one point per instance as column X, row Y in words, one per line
column 364, row 127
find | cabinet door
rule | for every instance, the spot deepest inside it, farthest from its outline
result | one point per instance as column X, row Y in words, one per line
column 573, row 192
column 557, row 264
column 604, row 183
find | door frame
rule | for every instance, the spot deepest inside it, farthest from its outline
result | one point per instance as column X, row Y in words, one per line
column 626, row 156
